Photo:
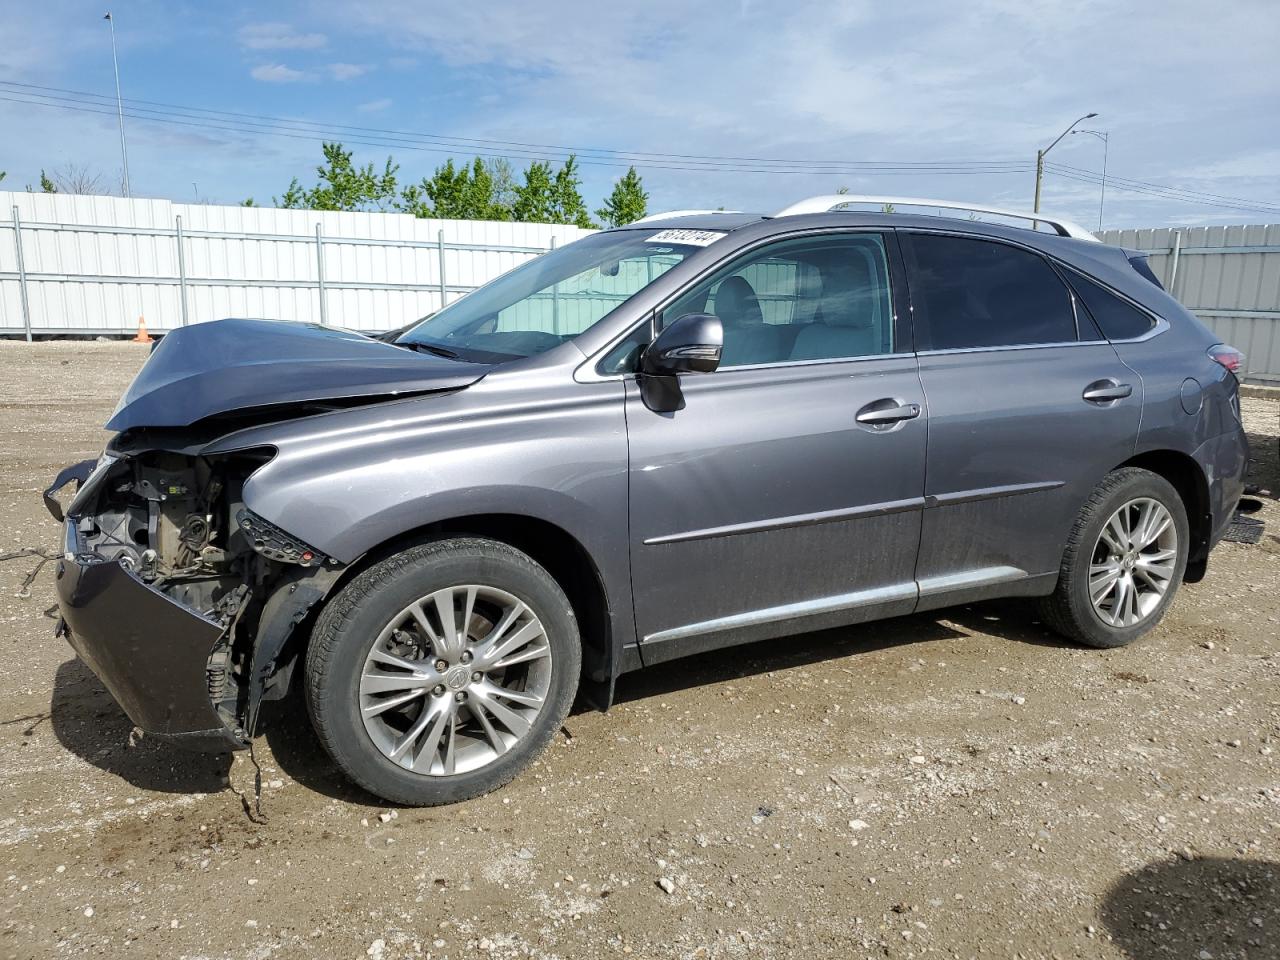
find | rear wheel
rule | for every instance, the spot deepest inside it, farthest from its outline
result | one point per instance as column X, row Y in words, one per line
column 1123, row 561
column 441, row 672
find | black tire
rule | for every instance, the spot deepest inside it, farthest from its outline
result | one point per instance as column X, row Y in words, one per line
column 350, row 623
column 1069, row 609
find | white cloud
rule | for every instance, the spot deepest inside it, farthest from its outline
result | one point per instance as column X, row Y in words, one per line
column 278, row 36
column 347, row 71
column 988, row 79
column 375, row 106
column 276, row 73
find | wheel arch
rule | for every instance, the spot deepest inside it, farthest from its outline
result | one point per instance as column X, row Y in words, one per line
column 562, row 555
column 1187, row 477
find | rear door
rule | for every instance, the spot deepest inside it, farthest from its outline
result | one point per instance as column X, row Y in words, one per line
column 1028, row 409
column 785, row 494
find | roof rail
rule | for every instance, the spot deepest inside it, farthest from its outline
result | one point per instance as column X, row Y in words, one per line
column 668, row 214
column 833, row 201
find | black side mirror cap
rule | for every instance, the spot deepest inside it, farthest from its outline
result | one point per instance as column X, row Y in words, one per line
column 691, row 344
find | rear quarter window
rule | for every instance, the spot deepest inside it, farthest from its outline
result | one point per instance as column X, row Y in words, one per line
column 1116, row 318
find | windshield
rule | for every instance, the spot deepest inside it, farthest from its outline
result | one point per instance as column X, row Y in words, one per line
column 552, row 298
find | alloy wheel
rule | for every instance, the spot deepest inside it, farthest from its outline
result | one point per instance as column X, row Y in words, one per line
column 1133, row 562
column 455, row 680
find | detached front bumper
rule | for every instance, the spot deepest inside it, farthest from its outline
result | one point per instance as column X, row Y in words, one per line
column 150, row 652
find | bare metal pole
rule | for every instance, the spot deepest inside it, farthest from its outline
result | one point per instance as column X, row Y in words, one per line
column 22, row 272
column 115, row 62
column 182, row 268
column 324, row 308
column 1105, row 137
column 444, row 288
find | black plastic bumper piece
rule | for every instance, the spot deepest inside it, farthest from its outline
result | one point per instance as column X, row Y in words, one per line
column 150, row 652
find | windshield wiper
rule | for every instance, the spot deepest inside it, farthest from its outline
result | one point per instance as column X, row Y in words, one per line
column 431, row 348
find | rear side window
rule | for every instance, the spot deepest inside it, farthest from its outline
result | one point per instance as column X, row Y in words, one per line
column 975, row 293
column 1118, row 319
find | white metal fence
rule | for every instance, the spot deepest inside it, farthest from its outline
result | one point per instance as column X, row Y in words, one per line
column 1229, row 277
column 95, row 265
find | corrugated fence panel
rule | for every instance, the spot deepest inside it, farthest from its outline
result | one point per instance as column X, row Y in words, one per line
column 1229, row 277
column 98, row 264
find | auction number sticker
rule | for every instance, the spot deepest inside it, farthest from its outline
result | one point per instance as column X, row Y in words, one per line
column 688, row 238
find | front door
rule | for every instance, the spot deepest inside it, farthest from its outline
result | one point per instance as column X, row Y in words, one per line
column 786, row 494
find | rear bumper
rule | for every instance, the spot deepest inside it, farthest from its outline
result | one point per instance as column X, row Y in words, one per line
column 150, row 652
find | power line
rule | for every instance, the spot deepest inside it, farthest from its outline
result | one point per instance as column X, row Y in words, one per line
column 1065, row 168
column 1154, row 190
column 383, row 136
column 248, row 124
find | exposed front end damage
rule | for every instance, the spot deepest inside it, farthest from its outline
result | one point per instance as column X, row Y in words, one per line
column 179, row 598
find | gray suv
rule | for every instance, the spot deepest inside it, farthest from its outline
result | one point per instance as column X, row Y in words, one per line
column 691, row 432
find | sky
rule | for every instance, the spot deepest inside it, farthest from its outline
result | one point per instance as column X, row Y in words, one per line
column 744, row 105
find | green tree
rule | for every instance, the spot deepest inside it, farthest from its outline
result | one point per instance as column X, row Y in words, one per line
column 3, row 174
column 248, row 202
column 504, row 181
column 551, row 198
column 534, row 202
column 566, row 196
column 343, row 185
column 455, row 193
column 627, row 203
column 46, row 185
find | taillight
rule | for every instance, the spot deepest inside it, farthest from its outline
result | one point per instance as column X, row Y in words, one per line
column 1227, row 356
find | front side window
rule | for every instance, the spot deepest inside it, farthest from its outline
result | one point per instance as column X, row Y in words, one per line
column 813, row 298
column 552, row 298
column 976, row 293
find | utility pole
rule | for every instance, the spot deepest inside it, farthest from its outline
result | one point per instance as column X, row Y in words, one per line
column 1105, row 137
column 1040, row 155
column 115, row 62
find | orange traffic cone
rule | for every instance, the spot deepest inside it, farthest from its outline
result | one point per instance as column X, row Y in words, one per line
column 143, row 336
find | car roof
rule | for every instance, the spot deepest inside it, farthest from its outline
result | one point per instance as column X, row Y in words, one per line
column 729, row 221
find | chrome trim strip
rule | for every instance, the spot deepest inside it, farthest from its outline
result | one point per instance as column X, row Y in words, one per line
column 788, row 611
column 984, row 576
column 799, row 520
column 933, row 501
column 1012, row 346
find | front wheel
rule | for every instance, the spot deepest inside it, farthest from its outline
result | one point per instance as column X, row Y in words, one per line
column 1123, row 561
column 439, row 673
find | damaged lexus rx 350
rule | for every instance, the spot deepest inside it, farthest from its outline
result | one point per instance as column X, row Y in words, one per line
column 659, row 440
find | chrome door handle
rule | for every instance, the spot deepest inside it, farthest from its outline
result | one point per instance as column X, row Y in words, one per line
column 1106, row 391
column 882, row 412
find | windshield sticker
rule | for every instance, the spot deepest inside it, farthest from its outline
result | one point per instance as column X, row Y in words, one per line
column 688, row 238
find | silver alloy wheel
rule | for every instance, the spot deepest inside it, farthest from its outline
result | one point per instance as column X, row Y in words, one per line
column 455, row 680
column 1133, row 562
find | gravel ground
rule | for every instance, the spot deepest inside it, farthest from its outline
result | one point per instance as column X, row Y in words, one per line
column 951, row 784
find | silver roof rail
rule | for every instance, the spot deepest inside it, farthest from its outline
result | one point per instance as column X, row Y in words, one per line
column 668, row 214
column 834, row 201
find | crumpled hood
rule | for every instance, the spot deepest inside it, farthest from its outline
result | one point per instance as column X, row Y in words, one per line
column 228, row 365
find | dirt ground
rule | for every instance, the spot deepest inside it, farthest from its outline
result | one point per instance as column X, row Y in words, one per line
column 950, row 784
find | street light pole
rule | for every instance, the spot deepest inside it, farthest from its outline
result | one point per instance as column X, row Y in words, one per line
column 1040, row 155
column 115, row 62
column 1105, row 137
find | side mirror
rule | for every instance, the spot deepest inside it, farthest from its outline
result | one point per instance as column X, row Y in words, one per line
column 691, row 344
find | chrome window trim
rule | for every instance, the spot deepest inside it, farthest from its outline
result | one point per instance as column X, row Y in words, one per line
column 1158, row 327
column 1161, row 324
column 587, row 372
